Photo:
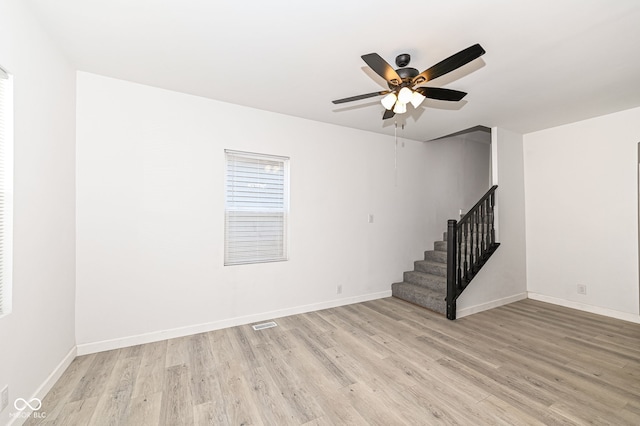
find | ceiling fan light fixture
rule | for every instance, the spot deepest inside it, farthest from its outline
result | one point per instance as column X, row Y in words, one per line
column 400, row 81
column 405, row 95
column 416, row 99
column 400, row 108
column 389, row 100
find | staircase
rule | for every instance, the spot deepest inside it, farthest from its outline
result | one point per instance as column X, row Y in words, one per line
column 426, row 285
column 437, row 281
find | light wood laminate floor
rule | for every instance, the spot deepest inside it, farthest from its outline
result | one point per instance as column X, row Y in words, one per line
column 384, row 362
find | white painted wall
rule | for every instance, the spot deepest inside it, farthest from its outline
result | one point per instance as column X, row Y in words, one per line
column 503, row 279
column 457, row 176
column 582, row 213
column 38, row 335
column 150, row 209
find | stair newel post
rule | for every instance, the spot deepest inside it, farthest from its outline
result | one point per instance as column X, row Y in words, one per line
column 452, row 256
column 459, row 259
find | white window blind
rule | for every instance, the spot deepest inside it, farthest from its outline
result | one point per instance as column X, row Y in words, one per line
column 256, row 208
column 6, row 190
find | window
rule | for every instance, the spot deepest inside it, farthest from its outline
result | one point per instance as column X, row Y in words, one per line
column 256, row 208
column 6, row 190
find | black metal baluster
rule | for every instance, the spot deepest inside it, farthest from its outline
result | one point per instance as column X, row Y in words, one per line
column 477, row 252
column 466, row 246
column 483, row 218
column 472, row 248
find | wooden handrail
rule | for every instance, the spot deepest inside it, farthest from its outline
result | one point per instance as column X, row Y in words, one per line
column 484, row 198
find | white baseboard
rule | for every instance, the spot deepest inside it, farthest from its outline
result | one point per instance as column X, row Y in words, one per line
column 45, row 387
column 587, row 308
column 489, row 305
column 105, row 345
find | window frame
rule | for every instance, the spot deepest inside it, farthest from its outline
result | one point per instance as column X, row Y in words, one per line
column 6, row 192
column 231, row 257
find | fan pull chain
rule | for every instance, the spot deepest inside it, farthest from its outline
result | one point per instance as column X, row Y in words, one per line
column 395, row 160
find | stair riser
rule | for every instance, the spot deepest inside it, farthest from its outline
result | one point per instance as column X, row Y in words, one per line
column 428, row 281
column 436, row 256
column 438, row 269
column 420, row 297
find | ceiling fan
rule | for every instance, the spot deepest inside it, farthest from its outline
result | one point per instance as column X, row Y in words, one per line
column 402, row 82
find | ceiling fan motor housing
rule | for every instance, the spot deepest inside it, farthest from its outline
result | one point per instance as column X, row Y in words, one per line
column 407, row 75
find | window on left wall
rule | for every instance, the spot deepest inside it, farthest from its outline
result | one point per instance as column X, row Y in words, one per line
column 6, row 190
column 256, row 208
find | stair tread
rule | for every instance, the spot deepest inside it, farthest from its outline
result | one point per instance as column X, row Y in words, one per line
column 427, row 274
column 431, row 262
column 438, row 277
column 436, row 293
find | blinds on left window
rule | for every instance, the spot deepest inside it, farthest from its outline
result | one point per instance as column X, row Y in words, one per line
column 256, row 208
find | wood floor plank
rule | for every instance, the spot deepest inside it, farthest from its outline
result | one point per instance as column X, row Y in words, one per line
column 442, row 405
column 506, row 414
column 113, row 404
column 516, row 398
column 598, row 389
column 236, row 395
column 381, row 362
column 345, row 333
column 150, row 380
column 341, row 376
column 319, row 385
column 145, row 410
column 60, row 394
column 93, row 383
column 201, row 369
column 74, row 413
column 242, row 346
column 177, row 351
column 131, row 352
column 322, row 336
column 177, row 402
column 369, row 404
column 269, row 400
column 285, row 373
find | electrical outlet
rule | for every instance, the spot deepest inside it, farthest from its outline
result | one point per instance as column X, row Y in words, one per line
column 582, row 289
column 339, row 289
column 370, row 218
column 4, row 399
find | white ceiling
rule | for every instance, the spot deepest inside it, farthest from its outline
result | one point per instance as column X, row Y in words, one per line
column 548, row 62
